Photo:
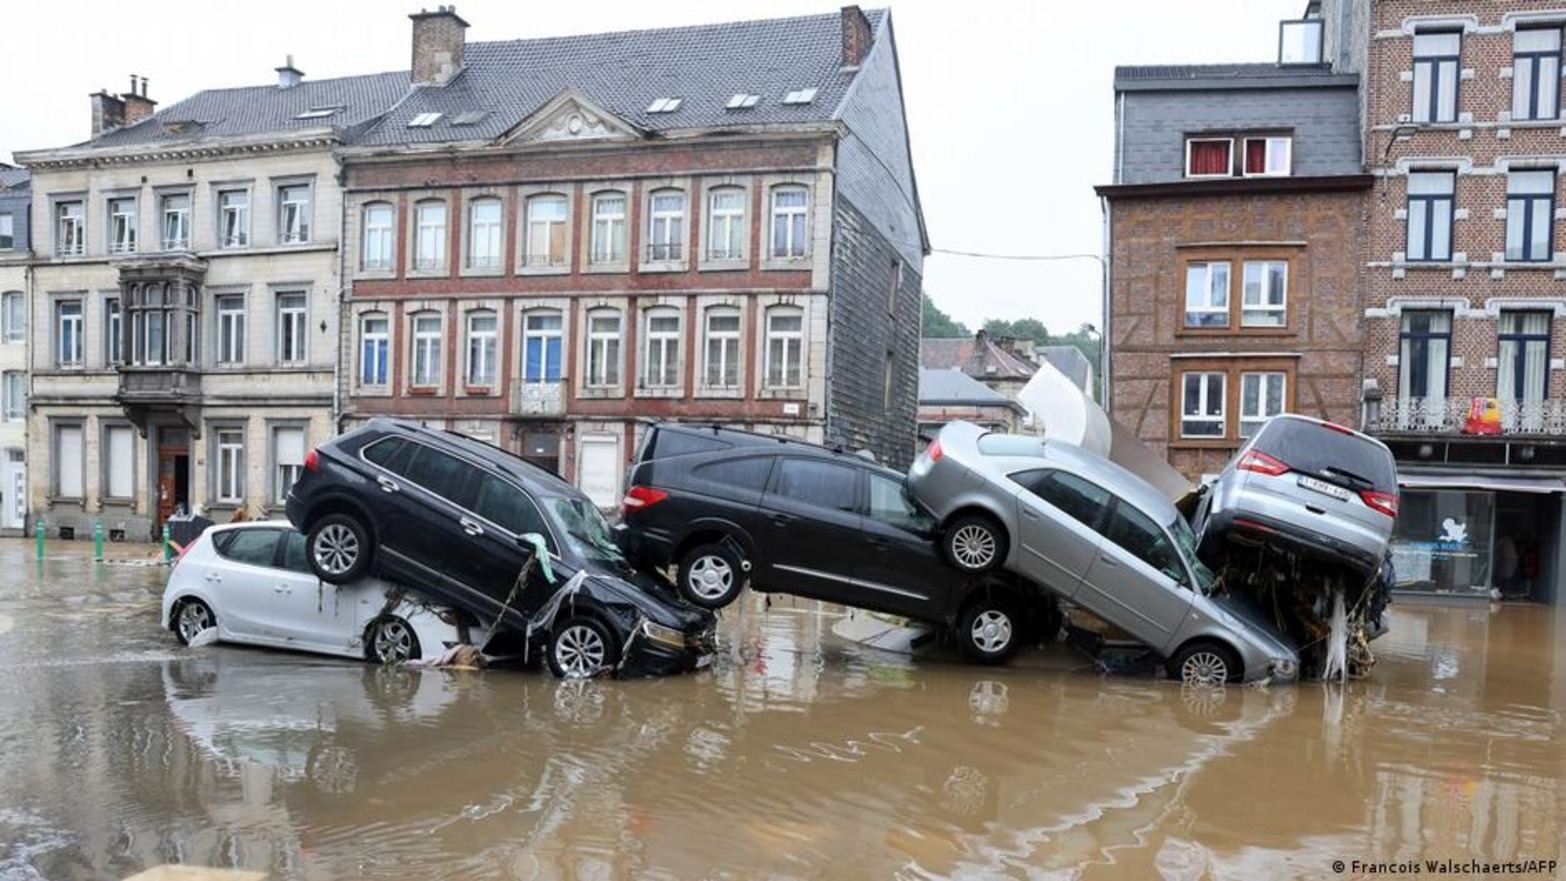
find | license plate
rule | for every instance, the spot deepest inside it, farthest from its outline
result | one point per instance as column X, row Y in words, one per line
column 1325, row 488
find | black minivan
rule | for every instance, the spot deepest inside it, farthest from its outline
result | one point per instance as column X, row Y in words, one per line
column 729, row 507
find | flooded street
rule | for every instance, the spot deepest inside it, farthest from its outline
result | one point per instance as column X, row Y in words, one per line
column 798, row 756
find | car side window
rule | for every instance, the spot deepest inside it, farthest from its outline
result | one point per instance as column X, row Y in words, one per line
column 749, row 473
column 890, row 504
column 437, row 472
column 822, row 484
column 1139, row 535
column 390, row 453
column 1084, row 501
column 255, row 547
column 500, row 502
column 295, row 557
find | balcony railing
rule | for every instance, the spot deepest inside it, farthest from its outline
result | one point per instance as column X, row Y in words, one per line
column 1471, row 416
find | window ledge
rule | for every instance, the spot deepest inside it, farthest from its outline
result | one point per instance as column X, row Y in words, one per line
column 733, row 394
column 725, row 265
column 600, row 392
column 372, row 391
column 374, row 274
column 785, row 263
column 606, row 268
column 783, row 393
column 66, row 500
column 661, row 392
column 442, row 272
column 427, row 391
column 479, row 391
column 548, row 269
column 663, row 266
column 482, row 272
column 1193, row 332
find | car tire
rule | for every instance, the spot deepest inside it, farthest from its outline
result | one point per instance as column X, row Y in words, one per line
column 975, row 543
column 711, row 576
column 339, row 548
column 391, row 640
column 989, row 631
column 581, row 647
column 191, row 616
column 1204, row 663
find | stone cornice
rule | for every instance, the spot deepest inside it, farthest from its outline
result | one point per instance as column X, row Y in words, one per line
column 183, row 151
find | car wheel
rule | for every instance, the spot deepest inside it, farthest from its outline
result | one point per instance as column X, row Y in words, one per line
column 390, row 640
column 581, row 647
column 710, row 576
column 1204, row 664
column 339, row 548
column 988, row 631
column 975, row 543
column 192, row 617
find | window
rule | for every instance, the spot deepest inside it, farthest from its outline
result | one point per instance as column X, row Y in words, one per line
column 70, row 229
column 661, row 351
column 288, row 455
column 122, row 225
column 68, row 333
column 666, row 226
column 1202, row 405
column 1430, row 215
column 1268, row 157
column 233, row 218
column 1426, row 342
column 1261, row 398
column 664, row 105
column 296, row 558
column 1141, row 537
column 7, row 231
column 484, row 233
column 888, row 379
column 742, row 100
column 1523, row 366
column 814, row 482
column 436, row 471
column 293, row 214
column 230, row 445
column 377, row 236
column 423, row 120
column 785, row 346
column 291, row 333
column 541, row 337
column 231, row 329
column 1264, row 299
column 546, row 230
column 252, row 547
column 426, row 349
column 1082, row 501
column 174, row 208
column 14, row 392
column 721, row 350
column 789, row 205
column 373, row 348
column 894, row 286
column 429, row 244
column 890, row 504
column 13, row 315
column 1435, row 76
column 1299, row 42
column 603, row 348
column 726, row 224
column 749, row 474
column 1207, row 295
column 481, row 348
column 1209, row 157
column 504, row 504
column 149, row 344
column 113, row 332
column 68, row 461
column 120, row 470
column 1536, row 73
column 390, row 453
column 608, row 245
column 1530, row 215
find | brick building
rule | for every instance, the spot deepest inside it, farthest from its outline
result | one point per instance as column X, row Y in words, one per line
column 551, row 241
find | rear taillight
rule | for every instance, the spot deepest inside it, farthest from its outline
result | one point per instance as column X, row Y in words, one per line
column 1386, row 503
column 638, row 498
column 313, row 461
column 1261, row 463
column 934, row 452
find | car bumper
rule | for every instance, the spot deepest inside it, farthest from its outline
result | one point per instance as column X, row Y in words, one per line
column 1244, row 526
column 642, row 548
column 645, row 656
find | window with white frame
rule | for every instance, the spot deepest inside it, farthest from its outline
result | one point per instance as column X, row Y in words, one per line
column 15, row 395
column 68, row 333
column 68, row 461
column 608, row 238
column 229, row 444
column 661, row 348
column 484, row 222
column 174, row 209
column 374, row 348
column 293, row 214
column 7, row 231
column 541, row 345
column 1530, row 214
column 119, row 471
column 113, row 332
column 546, row 230
column 1207, row 294
column 1261, row 398
column 377, row 236
column 13, row 315
column 1209, row 157
column 429, row 244
column 291, row 331
column 426, row 349
column 230, row 328
column 122, row 225
column 720, row 354
column 288, row 455
column 1536, row 72
column 1202, row 404
column 1264, row 295
column 1436, row 58
column 70, row 229
column 233, row 218
column 603, row 348
column 482, row 327
column 790, row 205
column 666, row 225
column 1430, row 213
column 785, row 332
column 726, row 223
column 1270, row 156
column 149, row 344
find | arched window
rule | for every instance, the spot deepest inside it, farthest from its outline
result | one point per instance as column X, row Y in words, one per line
column 661, row 348
column 482, row 330
column 785, row 354
column 608, row 245
column 790, row 205
column 547, row 216
column 666, row 225
column 726, row 223
column 377, row 236
column 720, row 348
column 484, row 233
column 429, row 244
column 374, row 348
column 603, row 347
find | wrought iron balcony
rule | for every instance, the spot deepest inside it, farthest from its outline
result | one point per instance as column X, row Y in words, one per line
column 1471, row 416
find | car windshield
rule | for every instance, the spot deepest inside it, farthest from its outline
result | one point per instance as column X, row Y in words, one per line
column 586, row 530
column 1185, row 539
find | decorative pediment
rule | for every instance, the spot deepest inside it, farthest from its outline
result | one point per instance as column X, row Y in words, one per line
column 570, row 116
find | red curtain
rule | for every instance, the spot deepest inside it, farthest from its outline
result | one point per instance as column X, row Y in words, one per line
column 1210, row 157
column 1256, row 156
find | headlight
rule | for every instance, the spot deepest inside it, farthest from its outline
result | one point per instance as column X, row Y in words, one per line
column 1286, row 667
column 666, row 635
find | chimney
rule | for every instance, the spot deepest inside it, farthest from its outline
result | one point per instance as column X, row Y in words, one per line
column 438, row 38
column 108, row 112
column 288, row 76
column 856, row 36
column 137, row 105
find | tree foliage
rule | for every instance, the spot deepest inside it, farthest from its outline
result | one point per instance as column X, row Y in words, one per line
column 939, row 325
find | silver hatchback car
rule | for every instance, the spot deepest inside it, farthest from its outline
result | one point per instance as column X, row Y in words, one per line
column 1098, row 536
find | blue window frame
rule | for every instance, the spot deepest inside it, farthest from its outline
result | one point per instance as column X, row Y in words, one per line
column 1430, row 215
column 541, row 343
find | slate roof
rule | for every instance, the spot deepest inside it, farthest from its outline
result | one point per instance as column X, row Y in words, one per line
column 974, row 356
column 948, row 386
column 14, row 178
column 1070, row 361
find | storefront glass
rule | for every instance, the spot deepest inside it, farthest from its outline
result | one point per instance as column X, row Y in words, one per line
column 1466, row 542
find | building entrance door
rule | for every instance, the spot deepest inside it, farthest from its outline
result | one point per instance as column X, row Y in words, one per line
column 173, row 473
column 13, row 491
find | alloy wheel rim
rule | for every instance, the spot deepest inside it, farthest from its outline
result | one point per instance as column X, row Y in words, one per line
column 973, row 546
column 579, row 651
column 991, row 630
column 1204, row 668
column 336, row 549
column 710, row 577
column 393, row 643
column 193, row 618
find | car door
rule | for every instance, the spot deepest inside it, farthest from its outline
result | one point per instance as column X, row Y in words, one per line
column 311, row 610
column 810, row 525
column 499, row 513
column 898, row 566
column 1058, row 517
column 244, row 583
column 424, row 522
column 1138, row 580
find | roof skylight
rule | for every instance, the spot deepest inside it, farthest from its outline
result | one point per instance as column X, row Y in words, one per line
column 423, row 120
column 800, row 96
column 664, row 105
column 742, row 100
column 469, row 117
column 318, row 112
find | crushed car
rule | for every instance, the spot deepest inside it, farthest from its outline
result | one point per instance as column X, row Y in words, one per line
column 476, row 528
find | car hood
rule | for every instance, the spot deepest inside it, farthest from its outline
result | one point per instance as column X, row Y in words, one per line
column 653, row 597
column 1244, row 608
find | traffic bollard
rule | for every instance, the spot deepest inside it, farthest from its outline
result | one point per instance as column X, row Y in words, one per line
column 97, row 541
column 38, row 533
column 168, row 548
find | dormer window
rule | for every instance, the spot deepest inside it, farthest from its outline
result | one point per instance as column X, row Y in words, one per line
column 800, row 96
column 1209, row 157
column 318, row 112
column 423, row 120
column 1299, row 42
column 1268, row 156
column 664, row 105
column 1239, row 155
column 742, row 100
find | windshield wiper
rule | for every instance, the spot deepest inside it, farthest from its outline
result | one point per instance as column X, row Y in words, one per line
column 1359, row 479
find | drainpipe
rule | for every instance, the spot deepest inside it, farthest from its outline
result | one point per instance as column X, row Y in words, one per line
column 342, row 297
column 1104, row 332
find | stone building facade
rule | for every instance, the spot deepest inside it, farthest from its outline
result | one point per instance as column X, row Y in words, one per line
column 15, row 281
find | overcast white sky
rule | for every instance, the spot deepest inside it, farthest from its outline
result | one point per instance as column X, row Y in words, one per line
column 1010, row 103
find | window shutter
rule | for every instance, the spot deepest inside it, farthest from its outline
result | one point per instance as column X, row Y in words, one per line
column 290, row 446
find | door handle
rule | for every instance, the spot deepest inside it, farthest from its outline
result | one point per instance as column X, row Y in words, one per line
column 214, row 578
column 1029, row 514
column 1107, row 561
column 387, row 484
column 880, row 544
column 282, row 588
column 471, row 527
column 782, row 519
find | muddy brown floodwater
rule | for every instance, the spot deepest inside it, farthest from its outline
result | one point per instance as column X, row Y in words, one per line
column 798, row 756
